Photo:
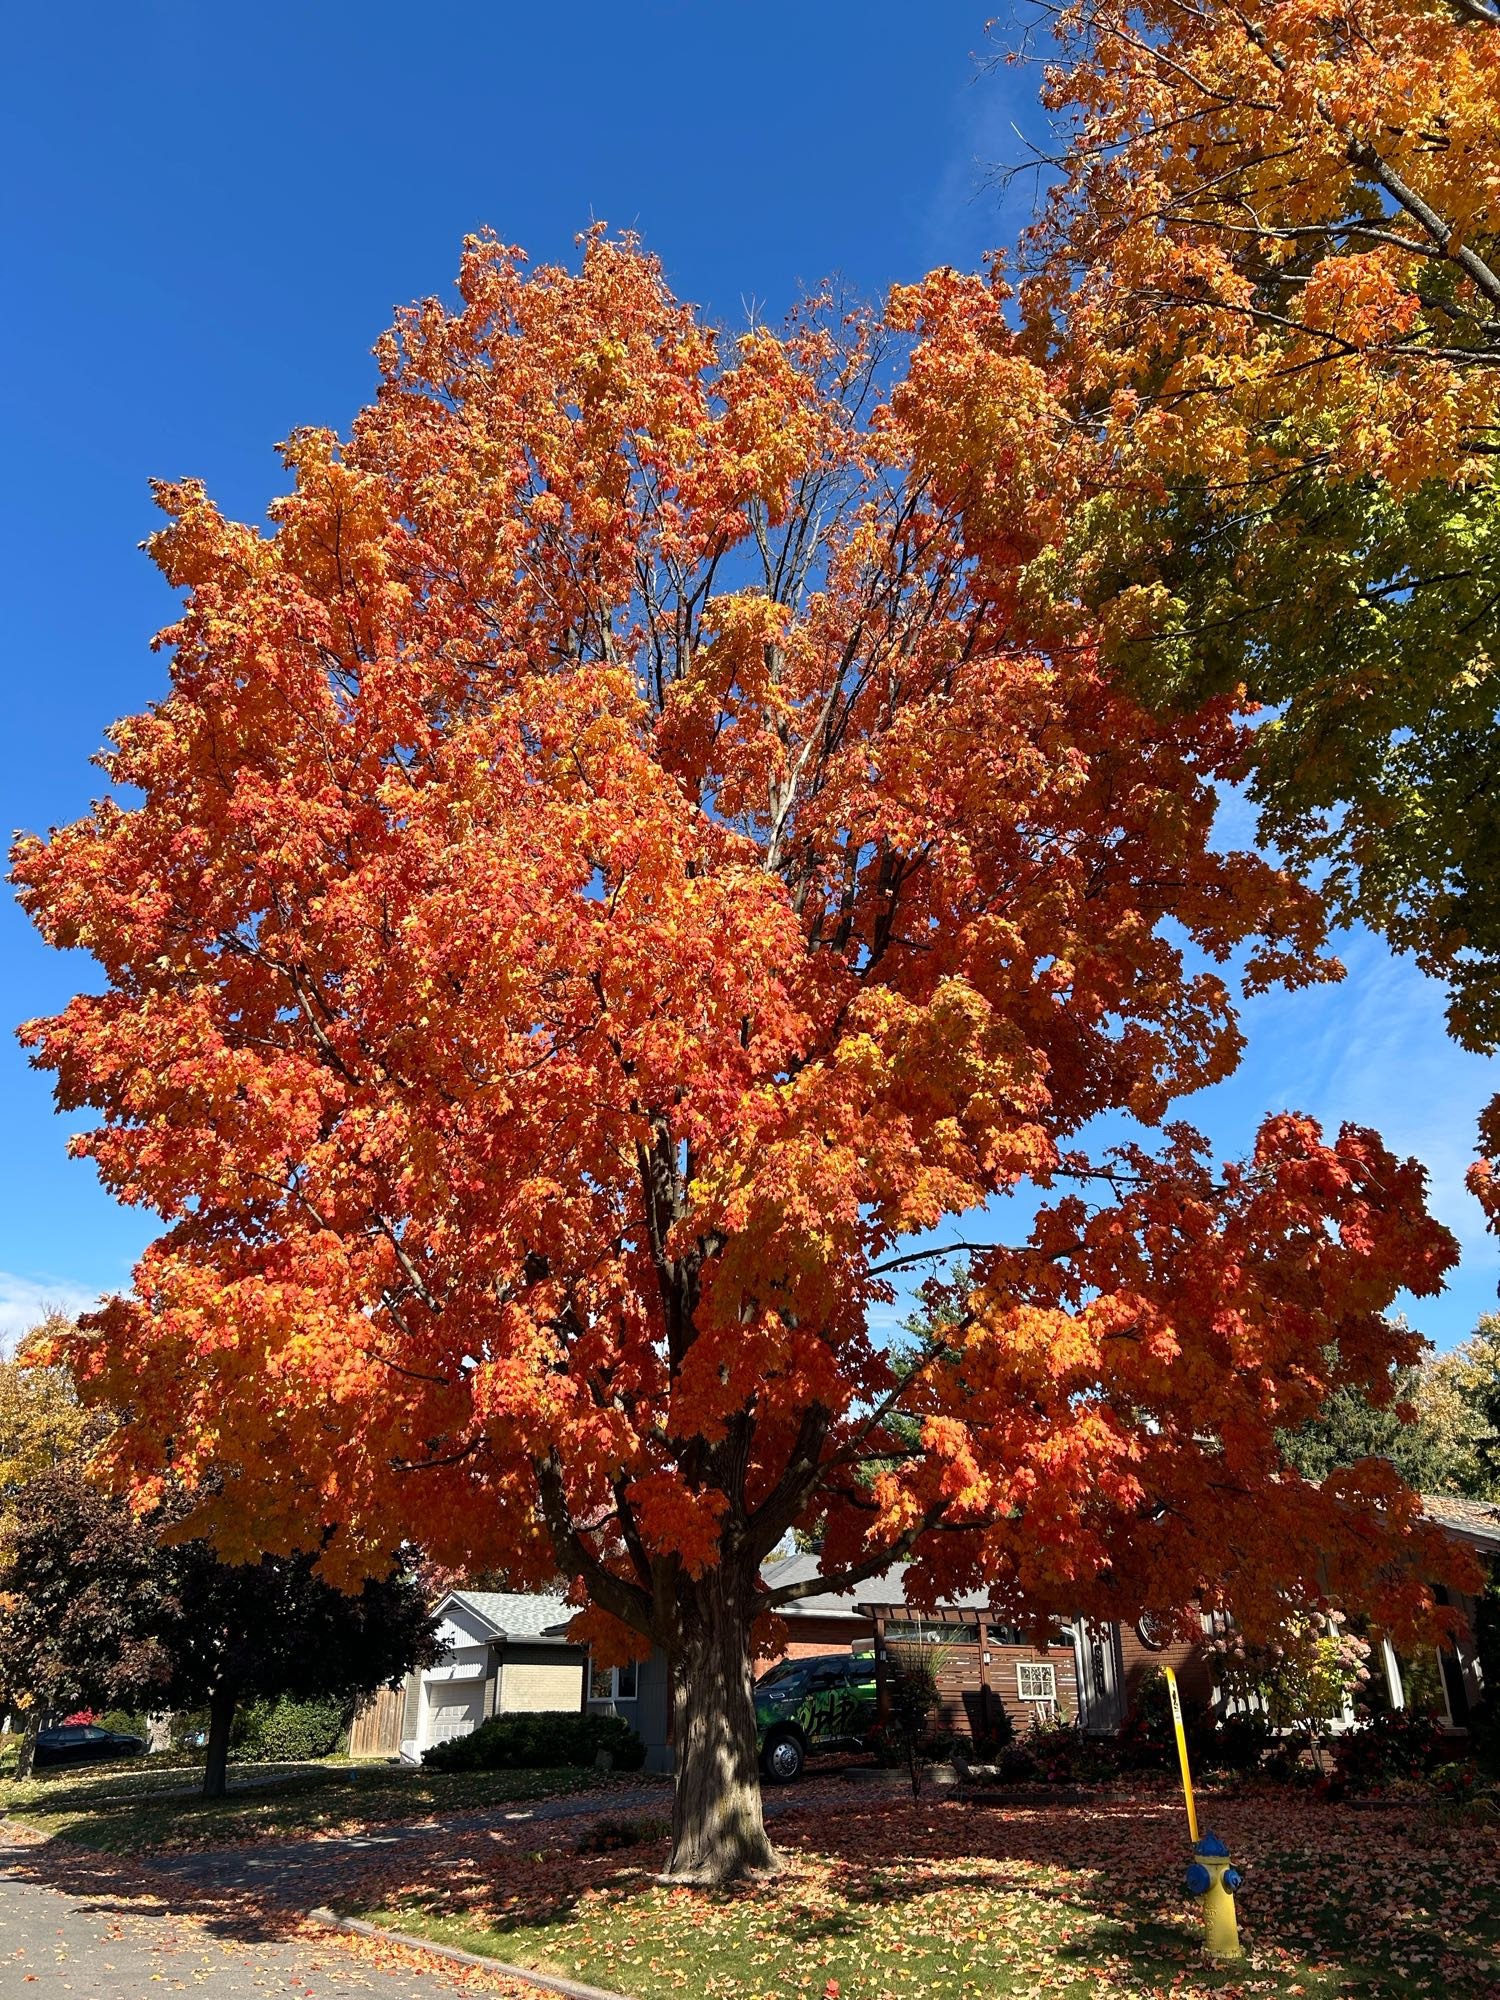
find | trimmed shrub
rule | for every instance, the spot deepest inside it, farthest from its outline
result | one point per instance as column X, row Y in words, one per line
column 1237, row 1743
column 996, row 1736
column 286, row 1731
column 1061, row 1754
column 1149, row 1740
column 1017, row 1765
column 545, row 1741
column 125, row 1722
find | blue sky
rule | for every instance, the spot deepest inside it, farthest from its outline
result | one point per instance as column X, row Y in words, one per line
column 212, row 213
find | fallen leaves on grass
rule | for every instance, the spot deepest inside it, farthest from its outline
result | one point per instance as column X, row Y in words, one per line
column 136, row 1812
column 881, row 1901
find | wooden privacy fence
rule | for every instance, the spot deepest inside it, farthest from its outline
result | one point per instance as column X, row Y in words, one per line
column 376, row 1731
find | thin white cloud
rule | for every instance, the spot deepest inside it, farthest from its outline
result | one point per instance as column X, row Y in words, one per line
column 997, row 121
column 24, row 1302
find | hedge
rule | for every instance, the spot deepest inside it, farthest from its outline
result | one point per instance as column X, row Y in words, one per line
column 286, row 1731
column 544, row 1741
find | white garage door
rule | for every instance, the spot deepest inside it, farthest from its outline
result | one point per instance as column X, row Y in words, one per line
column 454, row 1708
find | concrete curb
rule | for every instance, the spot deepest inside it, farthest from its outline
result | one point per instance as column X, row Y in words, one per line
column 549, row 1982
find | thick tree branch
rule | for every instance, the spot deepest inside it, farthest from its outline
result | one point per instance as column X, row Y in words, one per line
column 860, row 1572
column 1364, row 156
column 614, row 1594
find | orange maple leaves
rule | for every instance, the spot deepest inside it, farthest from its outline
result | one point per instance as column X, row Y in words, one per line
column 622, row 853
column 1262, row 254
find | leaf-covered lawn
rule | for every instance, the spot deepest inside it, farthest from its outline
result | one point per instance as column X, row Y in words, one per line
column 881, row 1902
column 129, row 1810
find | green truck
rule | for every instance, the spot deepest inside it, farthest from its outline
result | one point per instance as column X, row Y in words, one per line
column 824, row 1703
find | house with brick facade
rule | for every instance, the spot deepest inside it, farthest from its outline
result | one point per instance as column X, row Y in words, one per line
column 987, row 1664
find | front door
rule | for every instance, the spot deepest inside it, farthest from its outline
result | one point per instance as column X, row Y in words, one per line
column 1101, row 1706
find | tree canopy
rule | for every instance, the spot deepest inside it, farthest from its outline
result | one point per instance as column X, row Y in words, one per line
column 100, row 1607
column 275, row 1627
column 625, row 851
column 42, row 1421
column 1268, row 283
column 1438, row 1428
column 85, row 1602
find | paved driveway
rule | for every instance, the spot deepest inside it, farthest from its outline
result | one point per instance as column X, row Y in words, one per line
column 91, row 1929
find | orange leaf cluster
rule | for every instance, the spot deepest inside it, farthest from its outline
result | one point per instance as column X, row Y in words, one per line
column 1272, row 246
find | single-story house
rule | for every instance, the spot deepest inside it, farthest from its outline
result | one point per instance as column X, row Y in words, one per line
column 987, row 1664
column 506, row 1653
column 1452, row 1674
column 1448, row 1678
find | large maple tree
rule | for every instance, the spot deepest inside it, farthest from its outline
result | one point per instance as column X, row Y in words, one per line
column 622, row 855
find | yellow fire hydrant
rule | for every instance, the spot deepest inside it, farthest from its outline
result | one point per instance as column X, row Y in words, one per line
column 1209, row 1872
column 1211, row 1876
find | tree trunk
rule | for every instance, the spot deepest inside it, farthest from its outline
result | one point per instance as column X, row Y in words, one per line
column 221, row 1707
column 26, row 1755
column 718, row 1833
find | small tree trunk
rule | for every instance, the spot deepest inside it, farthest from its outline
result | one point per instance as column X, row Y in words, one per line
column 26, row 1755
column 718, row 1833
column 221, row 1707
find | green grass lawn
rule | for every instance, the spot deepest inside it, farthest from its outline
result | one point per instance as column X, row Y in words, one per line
column 127, row 1809
column 948, row 1902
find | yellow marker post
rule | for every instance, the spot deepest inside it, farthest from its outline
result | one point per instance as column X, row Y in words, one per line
column 1182, row 1756
column 1211, row 1874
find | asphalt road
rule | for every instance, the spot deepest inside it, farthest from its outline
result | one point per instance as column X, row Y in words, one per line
column 94, row 1936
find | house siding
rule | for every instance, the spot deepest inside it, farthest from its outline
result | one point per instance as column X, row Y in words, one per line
column 975, row 1683
column 1185, row 1657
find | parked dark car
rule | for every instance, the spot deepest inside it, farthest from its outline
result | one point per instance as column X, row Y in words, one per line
column 85, row 1743
column 824, row 1703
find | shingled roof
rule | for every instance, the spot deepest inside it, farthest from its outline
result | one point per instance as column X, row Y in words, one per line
column 888, row 1590
column 1474, row 1520
column 518, row 1614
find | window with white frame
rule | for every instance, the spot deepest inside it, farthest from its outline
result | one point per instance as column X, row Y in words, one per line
column 614, row 1683
column 1036, row 1680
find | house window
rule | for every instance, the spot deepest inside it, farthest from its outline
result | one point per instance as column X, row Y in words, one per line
column 614, row 1683
column 1036, row 1680
column 930, row 1632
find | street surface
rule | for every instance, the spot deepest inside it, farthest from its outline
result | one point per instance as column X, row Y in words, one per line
column 93, row 1931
